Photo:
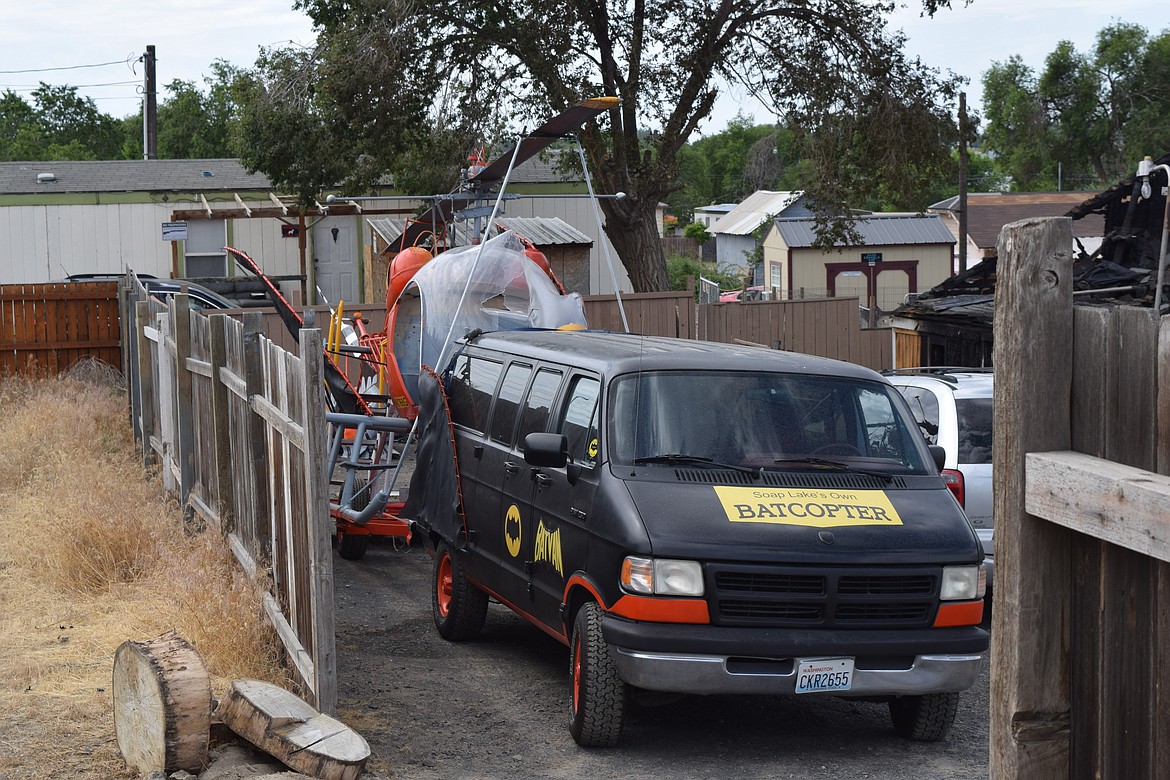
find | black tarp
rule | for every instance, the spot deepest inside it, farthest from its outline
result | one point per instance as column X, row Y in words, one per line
column 433, row 498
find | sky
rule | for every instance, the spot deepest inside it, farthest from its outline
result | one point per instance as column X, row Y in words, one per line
column 189, row 35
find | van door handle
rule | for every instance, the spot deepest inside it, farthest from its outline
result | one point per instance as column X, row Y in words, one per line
column 511, row 468
column 542, row 480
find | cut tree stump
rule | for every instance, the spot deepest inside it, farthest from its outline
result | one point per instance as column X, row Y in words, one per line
column 287, row 727
column 162, row 705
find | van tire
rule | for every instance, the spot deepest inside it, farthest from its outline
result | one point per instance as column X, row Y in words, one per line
column 925, row 718
column 597, row 696
column 459, row 608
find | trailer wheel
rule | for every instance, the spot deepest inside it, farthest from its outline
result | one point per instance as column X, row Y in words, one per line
column 352, row 547
column 925, row 718
column 459, row 608
column 597, row 704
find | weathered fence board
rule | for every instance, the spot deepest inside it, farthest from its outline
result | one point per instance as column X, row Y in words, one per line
column 241, row 436
column 1029, row 727
column 1080, row 661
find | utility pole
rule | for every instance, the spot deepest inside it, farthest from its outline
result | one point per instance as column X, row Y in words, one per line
column 150, row 109
column 962, row 182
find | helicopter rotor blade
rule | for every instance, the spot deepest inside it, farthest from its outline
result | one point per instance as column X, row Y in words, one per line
column 561, row 125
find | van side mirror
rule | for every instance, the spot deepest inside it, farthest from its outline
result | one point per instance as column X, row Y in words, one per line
column 546, row 449
column 939, row 455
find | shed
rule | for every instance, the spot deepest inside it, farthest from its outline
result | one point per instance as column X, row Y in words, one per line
column 566, row 248
column 899, row 254
column 735, row 233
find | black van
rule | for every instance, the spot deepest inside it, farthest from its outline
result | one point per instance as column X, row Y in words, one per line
column 700, row 518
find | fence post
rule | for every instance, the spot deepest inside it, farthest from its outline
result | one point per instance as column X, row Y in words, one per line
column 146, row 402
column 318, row 520
column 184, row 399
column 221, row 422
column 260, row 526
column 1029, row 731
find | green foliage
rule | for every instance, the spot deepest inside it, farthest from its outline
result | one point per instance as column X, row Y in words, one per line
column 679, row 267
column 1087, row 118
column 59, row 124
column 387, row 79
column 696, row 231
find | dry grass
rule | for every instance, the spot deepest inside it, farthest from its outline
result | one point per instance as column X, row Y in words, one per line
column 92, row 554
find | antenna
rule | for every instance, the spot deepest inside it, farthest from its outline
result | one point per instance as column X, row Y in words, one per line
column 601, row 233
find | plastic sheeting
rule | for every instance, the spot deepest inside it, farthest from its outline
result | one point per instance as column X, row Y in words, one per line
column 490, row 287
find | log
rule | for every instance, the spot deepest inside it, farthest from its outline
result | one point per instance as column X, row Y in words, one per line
column 162, row 705
column 287, row 727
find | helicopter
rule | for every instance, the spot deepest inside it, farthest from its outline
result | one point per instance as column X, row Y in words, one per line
column 433, row 296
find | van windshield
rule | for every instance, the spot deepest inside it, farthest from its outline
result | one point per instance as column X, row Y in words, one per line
column 774, row 421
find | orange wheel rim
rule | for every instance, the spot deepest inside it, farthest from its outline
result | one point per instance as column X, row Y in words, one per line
column 443, row 586
column 577, row 673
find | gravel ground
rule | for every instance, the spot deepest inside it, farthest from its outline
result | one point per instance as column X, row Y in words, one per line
column 497, row 707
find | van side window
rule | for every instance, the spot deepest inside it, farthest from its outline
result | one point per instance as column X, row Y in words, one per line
column 534, row 418
column 579, row 423
column 470, row 389
column 508, row 401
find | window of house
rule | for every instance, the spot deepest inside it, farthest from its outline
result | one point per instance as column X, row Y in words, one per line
column 203, row 253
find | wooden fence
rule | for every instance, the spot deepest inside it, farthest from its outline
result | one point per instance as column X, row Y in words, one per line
column 47, row 328
column 829, row 327
column 1080, row 662
column 238, row 427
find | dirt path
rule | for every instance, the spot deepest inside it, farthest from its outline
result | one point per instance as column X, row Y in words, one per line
column 496, row 707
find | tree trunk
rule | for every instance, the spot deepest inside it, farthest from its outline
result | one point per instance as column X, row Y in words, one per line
column 630, row 225
column 288, row 728
column 162, row 705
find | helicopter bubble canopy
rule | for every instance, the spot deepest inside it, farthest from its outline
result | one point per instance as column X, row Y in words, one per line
column 491, row 287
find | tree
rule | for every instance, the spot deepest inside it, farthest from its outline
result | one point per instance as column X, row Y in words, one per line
column 828, row 66
column 59, row 124
column 1088, row 117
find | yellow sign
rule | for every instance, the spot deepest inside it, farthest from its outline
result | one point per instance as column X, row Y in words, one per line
column 816, row 508
column 548, row 548
column 592, row 451
column 512, row 538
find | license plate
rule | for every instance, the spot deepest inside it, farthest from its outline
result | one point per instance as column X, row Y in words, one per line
column 819, row 675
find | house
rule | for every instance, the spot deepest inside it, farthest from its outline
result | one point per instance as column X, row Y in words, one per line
column 898, row 254
column 988, row 212
column 172, row 218
column 707, row 216
column 735, row 233
column 952, row 323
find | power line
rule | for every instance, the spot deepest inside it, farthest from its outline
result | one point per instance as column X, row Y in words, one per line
column 34, row 87
column 69, row 67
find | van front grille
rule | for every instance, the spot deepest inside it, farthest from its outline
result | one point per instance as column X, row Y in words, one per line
column 779, row 596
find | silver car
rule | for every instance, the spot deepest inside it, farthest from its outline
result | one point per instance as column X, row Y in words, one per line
column 953, row 408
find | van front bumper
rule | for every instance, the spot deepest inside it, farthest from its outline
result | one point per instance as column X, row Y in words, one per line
column 714, row 660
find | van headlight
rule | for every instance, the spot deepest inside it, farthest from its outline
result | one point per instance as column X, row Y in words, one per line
column 963, row 582
column 662, row 576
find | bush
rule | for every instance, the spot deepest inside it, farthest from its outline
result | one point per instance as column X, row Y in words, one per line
column 679, row 267
column 697, row 232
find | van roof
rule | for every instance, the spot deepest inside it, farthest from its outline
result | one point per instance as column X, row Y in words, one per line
column 613, row 353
